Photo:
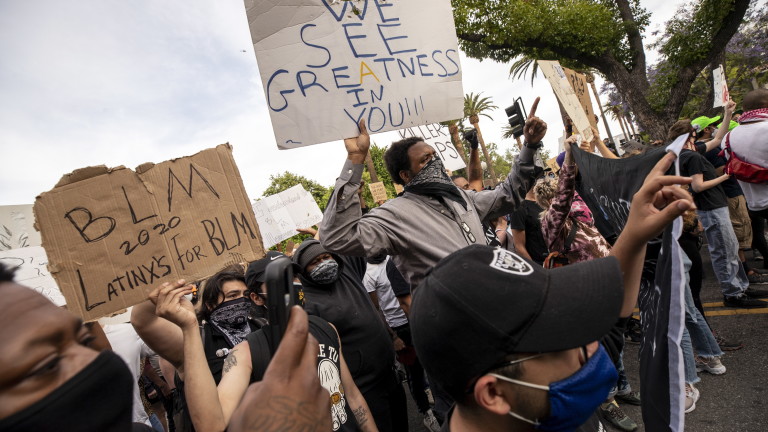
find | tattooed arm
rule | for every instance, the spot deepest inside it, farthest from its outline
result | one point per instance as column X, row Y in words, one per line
column 355, row 398
column 209, row 407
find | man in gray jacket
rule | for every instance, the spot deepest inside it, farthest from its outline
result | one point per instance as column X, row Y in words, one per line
column 433, row 218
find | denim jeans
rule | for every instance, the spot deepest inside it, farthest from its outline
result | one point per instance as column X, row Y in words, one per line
column 698, row 330
column 622, row 387
column 724, row 251
column 689, row 361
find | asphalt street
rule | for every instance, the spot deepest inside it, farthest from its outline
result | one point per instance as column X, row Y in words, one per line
column 735, row 401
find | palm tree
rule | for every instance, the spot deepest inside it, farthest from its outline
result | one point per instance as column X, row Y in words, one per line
column 453, row 129
column 474, row 107
column 615, row 111
column 519, row 68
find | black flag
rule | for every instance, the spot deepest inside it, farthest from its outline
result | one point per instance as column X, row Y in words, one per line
column 607, row 186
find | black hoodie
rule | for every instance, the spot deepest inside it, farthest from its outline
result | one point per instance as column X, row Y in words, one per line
column 345, row 303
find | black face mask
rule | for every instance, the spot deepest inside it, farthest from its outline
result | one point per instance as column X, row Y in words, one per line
column 98, row 398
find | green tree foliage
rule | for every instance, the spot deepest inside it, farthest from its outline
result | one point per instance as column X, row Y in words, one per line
column 606, row 36
column 746, row 64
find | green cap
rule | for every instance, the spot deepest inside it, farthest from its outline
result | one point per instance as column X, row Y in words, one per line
column 701, row 123
column 731, row 125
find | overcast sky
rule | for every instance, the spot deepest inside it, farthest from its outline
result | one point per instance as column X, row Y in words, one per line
column 90, row 82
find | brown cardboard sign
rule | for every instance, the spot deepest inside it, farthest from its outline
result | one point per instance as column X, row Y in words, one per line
column 379, row 191
column 580, row 87
column 112, row 235
column 398, row 188
column 552, row 164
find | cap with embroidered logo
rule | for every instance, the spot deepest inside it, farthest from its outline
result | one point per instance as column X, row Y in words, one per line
column 481, row 304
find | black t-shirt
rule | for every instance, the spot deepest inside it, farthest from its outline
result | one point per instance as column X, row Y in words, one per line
column 694, row 162
column 399, row 285
column 730, row 186
column 328, row 368
column 526, row 218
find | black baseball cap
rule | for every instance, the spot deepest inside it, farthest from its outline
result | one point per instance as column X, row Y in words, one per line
column 255, row 275
column 481, row 304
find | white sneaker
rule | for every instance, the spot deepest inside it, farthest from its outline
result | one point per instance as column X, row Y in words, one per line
column 691, row 397
column 430, row 422
column 713, row 365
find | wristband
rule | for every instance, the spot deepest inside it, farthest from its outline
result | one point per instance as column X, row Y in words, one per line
column 534, row 146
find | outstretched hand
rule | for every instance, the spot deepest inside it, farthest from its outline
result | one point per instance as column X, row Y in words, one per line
column 171, row 304
column 290, row 397
column 535, row 128
column 357, row 147
column 658, row 202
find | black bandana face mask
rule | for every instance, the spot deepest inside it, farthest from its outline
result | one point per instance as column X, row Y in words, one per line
column 98, row 398
column 231, row 318
column 432, row 172
column 432, row 181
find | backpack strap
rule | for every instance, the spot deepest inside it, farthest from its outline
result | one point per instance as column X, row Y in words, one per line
column 261, row 353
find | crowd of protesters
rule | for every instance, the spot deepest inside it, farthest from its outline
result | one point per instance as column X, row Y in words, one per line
column 501, row 308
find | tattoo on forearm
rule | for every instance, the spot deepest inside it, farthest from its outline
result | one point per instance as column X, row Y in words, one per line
column 361, row 415
column 230, row 361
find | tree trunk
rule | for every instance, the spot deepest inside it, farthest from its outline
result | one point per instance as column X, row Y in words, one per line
column 454, row 131
column 602, row 113
column 629, row 123
column 476, row 125
column 621, row 123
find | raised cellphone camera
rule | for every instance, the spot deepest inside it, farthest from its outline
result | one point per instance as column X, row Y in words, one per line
column 282, row 295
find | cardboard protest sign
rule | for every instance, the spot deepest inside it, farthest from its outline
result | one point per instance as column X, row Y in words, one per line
column 17, row 227
column 112, row 235
column 552, row 164
column 398, row 188
column 721, row 87
column 30, row 265
column 379, row 191
column 279, row 215
column 566, row 96
column 580, row 87
column 327, row 64
column 438, row 137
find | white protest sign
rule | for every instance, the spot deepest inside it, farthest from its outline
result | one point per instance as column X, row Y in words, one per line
column 279, row 215
column 721, row 87
column 438, row 137
column 31, row 268
column 17, row 227
column 326, row 64
column 566, row 95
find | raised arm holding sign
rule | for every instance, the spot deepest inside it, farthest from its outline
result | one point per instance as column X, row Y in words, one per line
column 566, row 95
column 433, row 217
column 327, row 65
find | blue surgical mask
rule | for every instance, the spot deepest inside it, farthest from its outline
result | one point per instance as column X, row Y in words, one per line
column 573, row 400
